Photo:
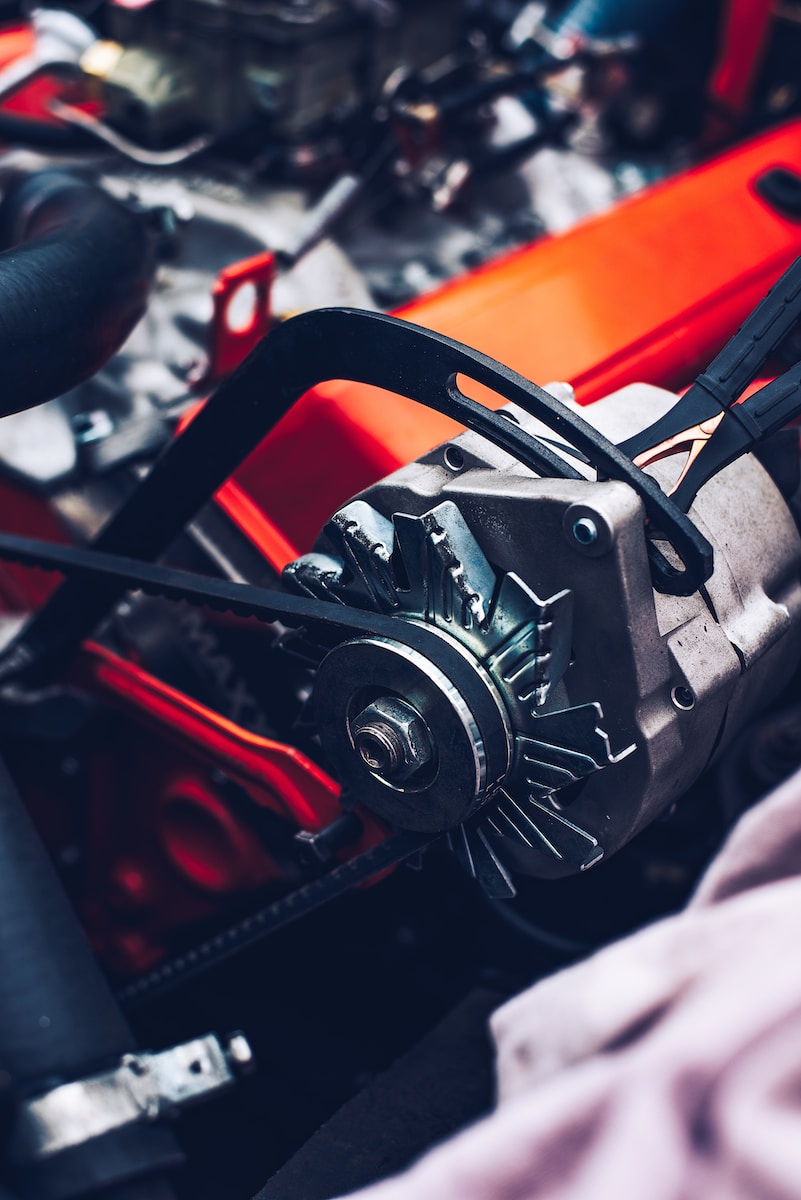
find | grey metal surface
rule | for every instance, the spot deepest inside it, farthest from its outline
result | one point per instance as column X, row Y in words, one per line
column 226, row 211
column 142, row 1088
column 674, row 678
column 296, row 65
column 126, row 412
column 430, row 569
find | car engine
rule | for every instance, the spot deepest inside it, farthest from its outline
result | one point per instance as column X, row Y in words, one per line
column 400, row 575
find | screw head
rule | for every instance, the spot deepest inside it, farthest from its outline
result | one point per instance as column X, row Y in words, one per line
column 392, row 739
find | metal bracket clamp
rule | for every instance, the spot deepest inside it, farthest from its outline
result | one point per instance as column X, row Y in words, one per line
column 143, row 1087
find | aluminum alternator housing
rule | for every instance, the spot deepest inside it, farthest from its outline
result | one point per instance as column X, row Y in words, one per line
column 615, row 696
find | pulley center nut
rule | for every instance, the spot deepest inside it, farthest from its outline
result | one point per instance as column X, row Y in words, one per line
column 401, row 734
column 392, row 739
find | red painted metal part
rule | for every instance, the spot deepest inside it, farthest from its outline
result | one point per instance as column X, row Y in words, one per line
column 156, row 846
column 746, row 25
column 246, row 514
column 256, row 525
column 16, row 41
column 278, row 776
column 34, row 99
column 22, row 588
column 648, row 291
column 245, row 284
column 167, row 847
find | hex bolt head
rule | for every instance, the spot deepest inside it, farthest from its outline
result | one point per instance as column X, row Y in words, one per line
column 585, row 531
column 392, row 739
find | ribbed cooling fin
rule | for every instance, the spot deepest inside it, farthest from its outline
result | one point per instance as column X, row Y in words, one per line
column 490, row 872
column 315, row 575
column 539, row 827
column 450, row 583
column 365, row 541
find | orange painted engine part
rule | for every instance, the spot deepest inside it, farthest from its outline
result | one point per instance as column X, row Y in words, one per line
column 646, row 292
column 183, row 816
column 240, row 318
column 745, row 29
column 199, row 806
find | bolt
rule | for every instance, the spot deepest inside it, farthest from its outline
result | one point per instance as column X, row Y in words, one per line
column 380, row 747
column 239, row 1053
column 453, row 458
column 392, row 739
column 585, row 531
column 319, row 846
column 92, row 426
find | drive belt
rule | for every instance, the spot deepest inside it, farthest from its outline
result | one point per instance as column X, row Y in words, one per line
column 327, row 344
column 331, row 622
column 275, row 916
column 367, row 348
column 247, row 601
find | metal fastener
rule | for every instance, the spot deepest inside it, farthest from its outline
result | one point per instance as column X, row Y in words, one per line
column 392, row 739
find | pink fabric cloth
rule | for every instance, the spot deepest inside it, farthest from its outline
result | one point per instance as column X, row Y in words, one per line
column 665, row 1067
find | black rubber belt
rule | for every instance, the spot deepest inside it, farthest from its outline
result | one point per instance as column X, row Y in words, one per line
column 337, row 344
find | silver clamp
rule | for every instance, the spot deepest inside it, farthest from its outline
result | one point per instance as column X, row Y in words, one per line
column 143, row 1087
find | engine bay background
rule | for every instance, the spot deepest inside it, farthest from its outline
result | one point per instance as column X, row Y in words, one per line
column 171, row 766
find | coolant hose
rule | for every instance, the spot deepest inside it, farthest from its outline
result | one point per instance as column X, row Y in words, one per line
column 59, row 1020
column 74, row 280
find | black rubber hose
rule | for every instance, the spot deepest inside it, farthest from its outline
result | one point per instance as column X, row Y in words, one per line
column 74, row 281
column 58, row 1018
column 57, row 1015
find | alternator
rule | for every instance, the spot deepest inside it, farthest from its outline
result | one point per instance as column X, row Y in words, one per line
column 526, row 640
column 613, row 697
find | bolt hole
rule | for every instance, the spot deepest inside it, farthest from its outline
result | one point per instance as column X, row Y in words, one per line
column 683, row 698
column 454, row 459
column 196, row 1067
column 240, row 312
column 585, row 531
